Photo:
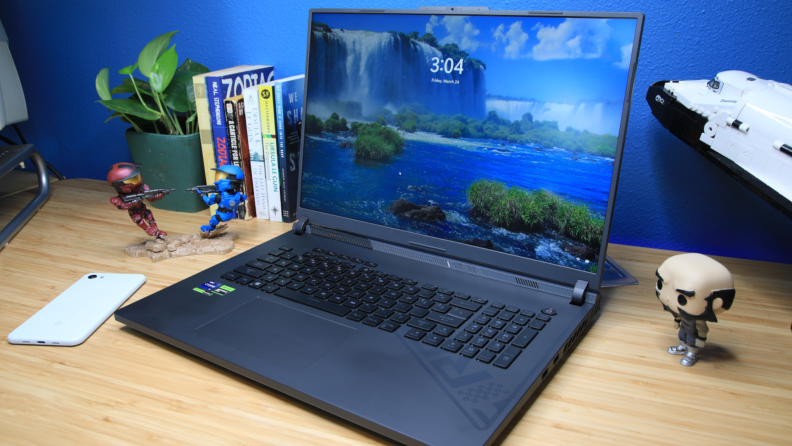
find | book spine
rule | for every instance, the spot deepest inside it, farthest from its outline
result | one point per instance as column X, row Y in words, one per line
column 244, row 150
column 232, row 134
column 214, row 95
column 292, row 111
column 284, row 194
column 257, row 175
column 270, row 145
column 205, row 130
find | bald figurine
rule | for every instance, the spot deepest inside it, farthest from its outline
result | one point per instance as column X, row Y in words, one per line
column 694, row 288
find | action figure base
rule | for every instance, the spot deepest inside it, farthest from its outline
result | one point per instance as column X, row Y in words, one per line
column 183, row 245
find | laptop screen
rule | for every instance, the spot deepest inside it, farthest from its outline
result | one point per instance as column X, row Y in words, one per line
column 499, row 132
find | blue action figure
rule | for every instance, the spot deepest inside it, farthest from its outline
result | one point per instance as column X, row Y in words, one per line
column 225, row 193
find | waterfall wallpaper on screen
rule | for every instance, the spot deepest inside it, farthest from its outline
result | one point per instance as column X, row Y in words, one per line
column 498, row 132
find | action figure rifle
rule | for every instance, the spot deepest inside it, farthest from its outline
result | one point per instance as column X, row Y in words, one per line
column 204, row 190
column 131, row 198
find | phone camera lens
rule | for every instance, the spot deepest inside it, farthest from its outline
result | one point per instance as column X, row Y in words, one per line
column 92, row 276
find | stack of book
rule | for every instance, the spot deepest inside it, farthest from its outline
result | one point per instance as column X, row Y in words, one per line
column 254, row 122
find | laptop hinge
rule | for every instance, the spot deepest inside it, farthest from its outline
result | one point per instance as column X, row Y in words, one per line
column 579, row 293
column 298, row 227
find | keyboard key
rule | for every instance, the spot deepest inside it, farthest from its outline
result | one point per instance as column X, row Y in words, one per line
column 271, row 277
column 387, row 303
column 451, row 345
column 352, row 303
column 248, row 271
column 467, row 305
column 524, row 339
column 244, row 280
column 285, row 248
column 295, row 286
column 543, row 318
column 371, row 298
column 371, row 264
column 549, row 312
column 372, row 320
column 444, row 291
column 283, row 263
column 426, row 294
column 424, row 303
column 462, row 296
column 287, row 274
column 400, row 317
column 343, row 257
column 410, row 289
column 419, row 312
column 389, row 326
column 384, row 313
column 511, row 309
column 309, row 290
column 433, row 340
column 442, row 330
column 319, row 250
column 356, row 316
column 311, row 302
column 442, row 298
column 309, row 254
column 441, row 308
column 356, row 260
column 337, row 299
column 288, row 256
column 498, row 305
column 479, row 342
column 445, row 319
column 276, row 253
column 402, row 307
column 395, row 286
column 513, row 328
column 409, row 282
column 296, row 267
column 504, row 337
column 258, row 264
column 480, row 300
column 528, row 313
column 331, row 253
column 392, row 295
column 474, row 328
column 489, row 332
column 506, row 316
column 491, row 311
column 268, row 259
column 508, row 356
column 415, row 334
column 422, row 324
column 282, row 281
column 496, row 346
column 271, row 288
column 536, row 324
column 429, row 287
column 368, row 308
column 497, row 324
column 483, row 320
column 408, row 299
column 469, row 352
column 463, row 336
column 458, row 312
column 394, row 277
column 256, row 284
column 274, row 269
column 521, row 320
column 486, row 357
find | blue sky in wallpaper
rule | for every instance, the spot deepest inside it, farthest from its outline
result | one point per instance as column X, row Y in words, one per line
column 558, row 60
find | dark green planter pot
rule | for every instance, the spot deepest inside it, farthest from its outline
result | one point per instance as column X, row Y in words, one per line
column 170, row 162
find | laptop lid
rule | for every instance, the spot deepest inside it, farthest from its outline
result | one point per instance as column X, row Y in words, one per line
column 493, row 137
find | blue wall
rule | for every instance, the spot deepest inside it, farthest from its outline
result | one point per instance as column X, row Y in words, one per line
column 669, row 196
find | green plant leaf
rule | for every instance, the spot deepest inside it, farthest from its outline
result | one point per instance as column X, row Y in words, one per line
column 180, row 94
column 128, row 88
column 103, row 84
column 114, row 115
column 163, row 70
column 128, row 70
column 191, row 118
column 130, row 107
column 152, row 52
column 140, row 84
column 189, row 65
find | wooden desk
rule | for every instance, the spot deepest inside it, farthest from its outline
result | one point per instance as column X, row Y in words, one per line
column 619, row 386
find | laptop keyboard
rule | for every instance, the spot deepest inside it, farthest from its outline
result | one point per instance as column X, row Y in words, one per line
column 354, row 289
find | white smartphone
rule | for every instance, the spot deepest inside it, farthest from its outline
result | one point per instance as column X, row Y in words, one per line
column 76, row 313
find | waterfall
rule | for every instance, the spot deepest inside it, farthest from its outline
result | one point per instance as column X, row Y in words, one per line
column 596, row 117
column 388, row 70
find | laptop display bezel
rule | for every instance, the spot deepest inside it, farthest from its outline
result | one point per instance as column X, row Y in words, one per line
column 461, row 251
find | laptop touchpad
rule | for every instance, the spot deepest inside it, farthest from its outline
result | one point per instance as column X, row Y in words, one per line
column 272, row 331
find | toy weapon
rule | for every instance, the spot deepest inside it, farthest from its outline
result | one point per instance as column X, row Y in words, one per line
column 131, row 198
column 204, row 190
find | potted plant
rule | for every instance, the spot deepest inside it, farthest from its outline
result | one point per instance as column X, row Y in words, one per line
column 164, row 134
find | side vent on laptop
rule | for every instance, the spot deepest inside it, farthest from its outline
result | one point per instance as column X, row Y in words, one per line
column 322, row 232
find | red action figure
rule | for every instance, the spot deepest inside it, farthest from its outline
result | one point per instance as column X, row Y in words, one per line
column 126, row 179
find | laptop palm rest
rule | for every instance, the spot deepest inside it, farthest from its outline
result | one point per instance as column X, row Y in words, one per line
column 275, row 332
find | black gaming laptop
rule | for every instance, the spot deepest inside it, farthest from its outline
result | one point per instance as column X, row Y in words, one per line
column 457, row 183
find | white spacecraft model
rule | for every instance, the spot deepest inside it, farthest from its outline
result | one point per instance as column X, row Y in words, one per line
column 740, row 122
